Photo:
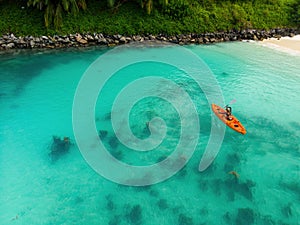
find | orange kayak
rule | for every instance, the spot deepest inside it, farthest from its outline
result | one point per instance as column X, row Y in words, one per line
column 233, row 124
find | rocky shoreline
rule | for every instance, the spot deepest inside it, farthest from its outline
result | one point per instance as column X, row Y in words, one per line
column 10, row 41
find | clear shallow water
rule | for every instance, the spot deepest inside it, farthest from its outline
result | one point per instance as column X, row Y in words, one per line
column 36, row 95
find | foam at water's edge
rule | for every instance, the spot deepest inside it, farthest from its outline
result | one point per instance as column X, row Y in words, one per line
column 294, row 38
column 281, row 48
column 290, row 45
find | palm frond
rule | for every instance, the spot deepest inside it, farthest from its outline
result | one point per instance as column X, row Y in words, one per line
column 149, row 6
column 81, row 4
column 163, row 2
column 74, row 7
column 58, row 16
column 111, row 3
column 48, row 16
column 65, row 4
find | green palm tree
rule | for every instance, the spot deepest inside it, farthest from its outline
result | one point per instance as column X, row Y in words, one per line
column 54, row 9
column 111, row 3
column 145, row 4
column 148, row 4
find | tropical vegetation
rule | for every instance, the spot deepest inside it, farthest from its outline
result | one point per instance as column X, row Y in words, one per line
column 37, row 17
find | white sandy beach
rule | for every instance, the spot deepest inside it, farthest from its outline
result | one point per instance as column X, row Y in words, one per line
column 286, row 44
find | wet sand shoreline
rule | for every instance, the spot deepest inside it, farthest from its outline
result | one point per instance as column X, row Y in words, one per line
column 285, row 43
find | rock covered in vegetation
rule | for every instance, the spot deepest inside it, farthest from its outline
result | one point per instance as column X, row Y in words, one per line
column 10, row 41
column 59, row 147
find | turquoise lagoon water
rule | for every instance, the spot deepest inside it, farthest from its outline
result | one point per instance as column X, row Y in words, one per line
column 36, row 97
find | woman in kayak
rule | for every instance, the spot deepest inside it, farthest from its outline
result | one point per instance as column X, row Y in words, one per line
column 228, row 112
